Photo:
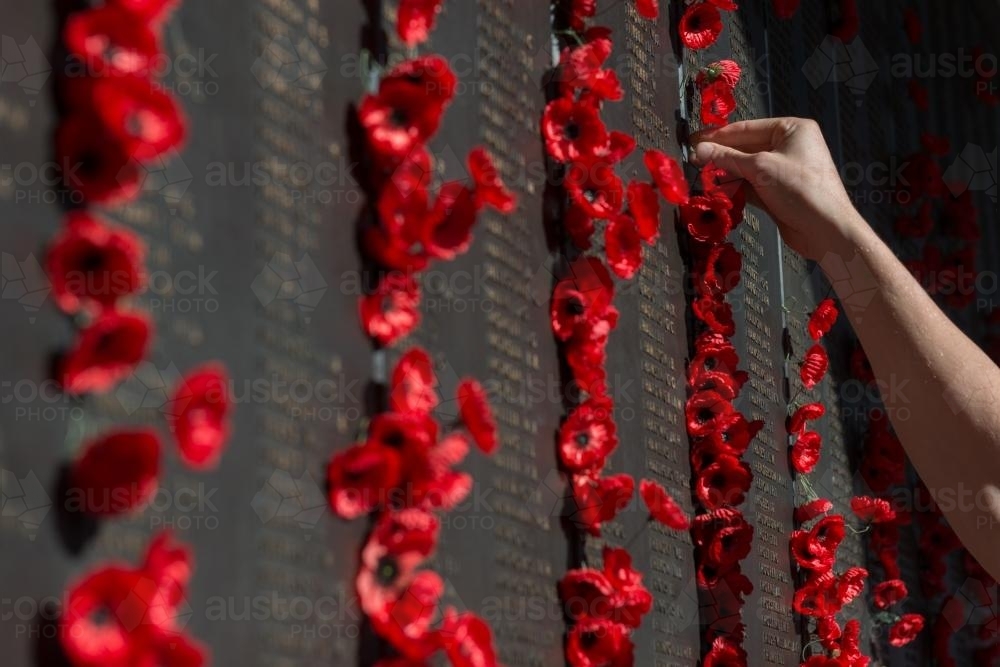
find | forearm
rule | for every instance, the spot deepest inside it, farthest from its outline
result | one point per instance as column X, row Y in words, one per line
column 941, row 391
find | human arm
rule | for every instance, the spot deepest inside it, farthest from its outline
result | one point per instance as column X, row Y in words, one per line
column 944, row 397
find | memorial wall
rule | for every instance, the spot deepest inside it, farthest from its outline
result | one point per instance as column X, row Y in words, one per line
column 269, row 203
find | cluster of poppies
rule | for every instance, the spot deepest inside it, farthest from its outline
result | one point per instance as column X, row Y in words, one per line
column 119, row 616
column 413, row 226
column 404, row 471
column 117, row 118
column 806, row 444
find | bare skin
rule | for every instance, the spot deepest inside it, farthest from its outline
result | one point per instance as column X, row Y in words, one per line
column 947, row 410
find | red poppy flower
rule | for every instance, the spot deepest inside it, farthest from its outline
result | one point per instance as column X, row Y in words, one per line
column 586, row 356
column 92, row 264
column 872, row 510
column 578, row 225
column 105, row 352
column 715, row 313
column 489, row 189
column 714, row 353
column 812, row 509
column 649, row 9
column 149, row 11
column 806, row 452
column 623, row 246
column 397, row 241
column 468, row 640
column 700, row 26
column 587, row 593
column 433, row 485
column 814, row 366
column 90, row 635
column 572, row 130
column 413, row 382
column 823, row 319
column 405, row 621
column 408, row 107
column 97, row 167
column 662, row 507
column 722, row 535
column 111, row 42
column 906, row 629
column 596, row 189
column 117, row 473
column 724, row 384
column 619, row 147
column 810, row 552
column 412, row 434
column 587, row 437
column 805, row 414
column 725, row 653
column 474, row 409
column 199, row 416
column 399, row 543
column 725, row 482
column 734, row 434
column 707, row 218
column 721, row 269
column 644, row 207
column 818, row 596
column 888, row 593
column 668, row 176
column 168, row 567
column 582, row 69
column 581, row 297
column 631, row 600
column 361, row 478
column 785, row 9
column 145, row 119
column 717, row 103
column 726, row 71
column 599, row 500
column 579, row 11
column 704, row 413
column 391, row 312
column 416, row 20
column 599, row 643
column 449, row 230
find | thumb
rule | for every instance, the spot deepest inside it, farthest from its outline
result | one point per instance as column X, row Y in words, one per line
column 735, row 162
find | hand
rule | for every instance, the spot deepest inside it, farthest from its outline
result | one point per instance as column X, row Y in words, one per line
column 788, row 164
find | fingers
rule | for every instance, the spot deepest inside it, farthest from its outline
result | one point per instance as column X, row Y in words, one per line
column 733, row 161
column 750, row 136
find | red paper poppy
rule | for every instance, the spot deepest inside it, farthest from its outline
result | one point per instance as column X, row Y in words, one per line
column 92, row 264
column 168, row 567
column 723, row 536
column 735, row 434
column 97, row 168
column 587, row 437
column 809, row 554
column 725, row 482
column 582, row 297
column 448, row 232
column 829, row 532
column 416, row 20
column 725, row 653
column 599, row 643
column 623, row 246
column 888, row 593
column 117, row 473
column 644, row 207
column 596, row 189
column 476, row 414
column 145, row 119
column 872, row 510
column 468, row 640
column 391, row 312
column 586, row 356
column 805, row 414
column 785, row 9
column 105, row 352
column 717, row 103
column 399, row 543
column 823, row 319
column 572, row 130
column 413, row 383
column 579, row 11
column 582, row 69
column 649, row 9
column 818, row 596
column 599, row 500
column 408, row 107
column 724, row 384
column 721, row 269
column 662, row 507
column 199, row 416
column 806, row 451
column 715, row 313
column 726, row 71
column 405, row 622
column 150, row 11
column 397, row 241
column 707, row 218
column 705, row 412
column 630, row 600
column 578, row 225
column 619, row 147
column 668, row 176
column 361, row 478
column 700, row 26
column 905, row 630
column 111, row 42
column 814, row 367
column 489, row 189
column 812, row 509
column 90, row 635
